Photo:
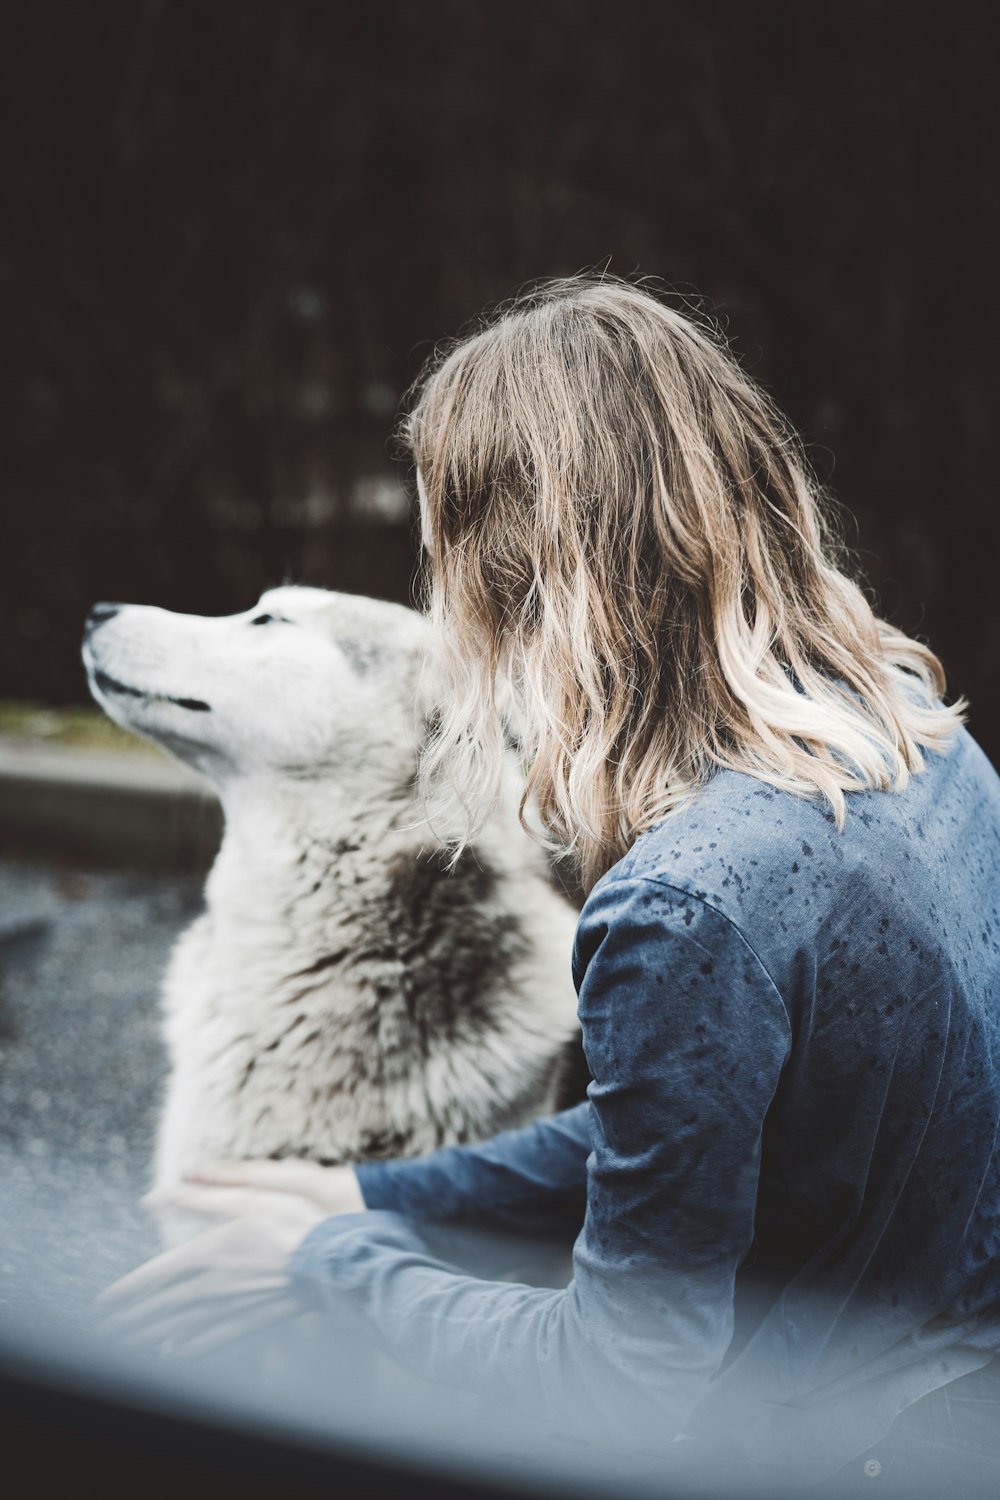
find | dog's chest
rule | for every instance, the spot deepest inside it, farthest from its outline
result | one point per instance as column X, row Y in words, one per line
column 269, row 1062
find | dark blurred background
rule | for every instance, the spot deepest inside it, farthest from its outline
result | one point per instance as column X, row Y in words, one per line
column 233, row 230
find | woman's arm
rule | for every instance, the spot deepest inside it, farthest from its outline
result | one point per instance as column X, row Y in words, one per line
column 686, row 1036
column 529, row 1181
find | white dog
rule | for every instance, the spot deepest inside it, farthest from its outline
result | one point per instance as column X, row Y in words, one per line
column 342, row 998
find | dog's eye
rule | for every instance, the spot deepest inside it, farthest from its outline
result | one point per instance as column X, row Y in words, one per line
column 267, row 620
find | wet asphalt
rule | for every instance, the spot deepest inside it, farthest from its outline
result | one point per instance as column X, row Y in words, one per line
column 82, row 953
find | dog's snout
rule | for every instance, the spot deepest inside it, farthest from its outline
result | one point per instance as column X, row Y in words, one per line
column 99, row 614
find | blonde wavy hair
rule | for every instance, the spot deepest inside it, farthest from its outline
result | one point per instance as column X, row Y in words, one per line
column 626, row 541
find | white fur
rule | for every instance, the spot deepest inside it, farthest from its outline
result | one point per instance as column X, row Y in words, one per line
column 277, row 1045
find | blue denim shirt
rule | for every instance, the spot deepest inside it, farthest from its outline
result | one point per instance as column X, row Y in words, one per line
column 784, row 1187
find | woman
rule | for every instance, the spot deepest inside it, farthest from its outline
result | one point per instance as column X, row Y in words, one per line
column 785, row 1186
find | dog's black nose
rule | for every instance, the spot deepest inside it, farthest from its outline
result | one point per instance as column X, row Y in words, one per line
column 99, row 614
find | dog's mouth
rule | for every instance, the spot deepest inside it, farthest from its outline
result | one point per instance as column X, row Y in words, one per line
column 108, row 684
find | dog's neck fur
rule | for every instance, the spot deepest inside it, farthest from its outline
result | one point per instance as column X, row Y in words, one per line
column 295, row 856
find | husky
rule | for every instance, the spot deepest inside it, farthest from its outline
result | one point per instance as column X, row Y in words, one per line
column 343, row 997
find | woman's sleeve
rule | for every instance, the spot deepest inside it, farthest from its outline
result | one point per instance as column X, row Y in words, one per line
column 685, row 1035
column 528, row 1181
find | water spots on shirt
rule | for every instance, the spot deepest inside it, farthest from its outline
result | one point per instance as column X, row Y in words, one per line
column 884, row 955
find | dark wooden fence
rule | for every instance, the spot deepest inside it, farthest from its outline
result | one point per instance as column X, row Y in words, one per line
column 233, row 230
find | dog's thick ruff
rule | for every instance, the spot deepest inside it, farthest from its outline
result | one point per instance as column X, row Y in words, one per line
column 342, row 998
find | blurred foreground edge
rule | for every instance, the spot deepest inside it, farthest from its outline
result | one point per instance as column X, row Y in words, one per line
column 70, row 1444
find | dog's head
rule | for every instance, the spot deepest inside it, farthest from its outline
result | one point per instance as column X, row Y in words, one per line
column 305, row 684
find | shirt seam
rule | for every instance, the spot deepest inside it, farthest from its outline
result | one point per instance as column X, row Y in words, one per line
column 702, row 901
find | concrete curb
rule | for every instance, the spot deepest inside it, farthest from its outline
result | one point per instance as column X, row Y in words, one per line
column 119, row 809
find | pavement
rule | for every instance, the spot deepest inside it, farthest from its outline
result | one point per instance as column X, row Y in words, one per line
column 82, row 952
column 143, row 811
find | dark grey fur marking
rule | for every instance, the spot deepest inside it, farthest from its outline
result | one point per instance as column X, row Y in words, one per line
column 455, row 950
column 362, row 655
column 437, row 949
column 272, row 1046
column 328, row 961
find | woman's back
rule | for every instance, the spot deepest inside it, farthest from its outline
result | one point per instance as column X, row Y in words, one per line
column 877, row 1227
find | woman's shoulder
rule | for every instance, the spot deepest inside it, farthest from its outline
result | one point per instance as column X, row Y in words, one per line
column 781, row 870
column 738, row 846
column 734, row 825
column 740, row 830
